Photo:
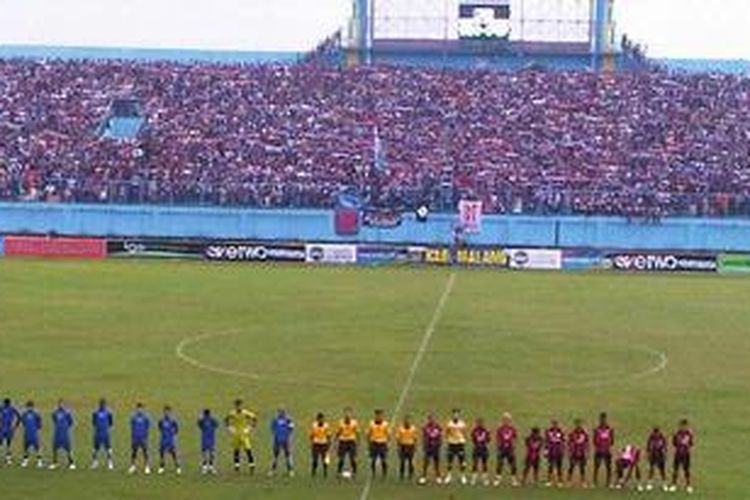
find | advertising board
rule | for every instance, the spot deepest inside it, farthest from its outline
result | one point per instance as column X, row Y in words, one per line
column 728, row 262
column 577, row 259
column 482, row 256
column 662, row 262
column 436, row 255
column 386, row 254
column 2, row 246
column 468, row 256
column 44, row 246
column 323, row 253
column 255, row 252
column 155, row 249
column 531, row 258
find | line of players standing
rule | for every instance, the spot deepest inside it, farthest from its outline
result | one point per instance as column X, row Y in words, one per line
column 553, row 444
column 102, row 421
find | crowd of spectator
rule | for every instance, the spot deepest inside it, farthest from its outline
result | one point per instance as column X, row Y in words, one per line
column 643, row 143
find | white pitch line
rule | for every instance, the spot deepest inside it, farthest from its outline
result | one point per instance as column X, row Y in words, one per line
column 428, row 333
column 180, row 352
column 595, row 382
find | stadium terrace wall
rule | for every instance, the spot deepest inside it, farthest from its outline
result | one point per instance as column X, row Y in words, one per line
column 317, row 225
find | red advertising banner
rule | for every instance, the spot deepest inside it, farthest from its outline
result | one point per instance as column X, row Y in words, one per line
column 41, row 246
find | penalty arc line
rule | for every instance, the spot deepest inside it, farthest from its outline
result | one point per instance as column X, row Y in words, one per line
column 426, row 338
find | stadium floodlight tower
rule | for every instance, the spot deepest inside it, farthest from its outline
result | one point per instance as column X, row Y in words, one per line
column 545, row 29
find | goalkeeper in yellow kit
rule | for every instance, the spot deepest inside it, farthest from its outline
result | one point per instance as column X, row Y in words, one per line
column 240, row 424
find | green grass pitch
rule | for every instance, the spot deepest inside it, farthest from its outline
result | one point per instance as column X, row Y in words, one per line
column 648, row 349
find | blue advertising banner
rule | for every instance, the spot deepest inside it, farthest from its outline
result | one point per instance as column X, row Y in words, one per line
column 578, row 259
column 386, row 254
column 2, row 246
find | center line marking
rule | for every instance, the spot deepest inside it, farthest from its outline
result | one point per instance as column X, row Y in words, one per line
column 415, row 364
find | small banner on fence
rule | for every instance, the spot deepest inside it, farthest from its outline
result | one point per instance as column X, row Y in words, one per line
column 381, row 218
column 470, row 216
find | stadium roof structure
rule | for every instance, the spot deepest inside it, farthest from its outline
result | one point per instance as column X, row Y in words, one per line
column 507, row 32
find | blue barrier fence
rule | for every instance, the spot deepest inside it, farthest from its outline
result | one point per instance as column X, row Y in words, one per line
column 317, row 225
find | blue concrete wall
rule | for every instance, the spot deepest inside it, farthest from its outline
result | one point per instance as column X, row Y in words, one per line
column 157, row 221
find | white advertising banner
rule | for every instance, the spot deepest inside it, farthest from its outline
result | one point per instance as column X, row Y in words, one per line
column 470, row 216
column 527, row 258
column 331, row 254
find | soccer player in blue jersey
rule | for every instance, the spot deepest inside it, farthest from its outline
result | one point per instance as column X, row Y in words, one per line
column 10, row 419
column 208, row 425
column 62, row 423
column 102, row 421
column 282, row 428
column 140, row 425
column 168, row 429
column 31, row 421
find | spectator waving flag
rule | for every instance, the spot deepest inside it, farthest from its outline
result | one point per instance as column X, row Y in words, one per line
column 379, row 152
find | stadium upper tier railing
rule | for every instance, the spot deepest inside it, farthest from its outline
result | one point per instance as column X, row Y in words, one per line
column 528, row 201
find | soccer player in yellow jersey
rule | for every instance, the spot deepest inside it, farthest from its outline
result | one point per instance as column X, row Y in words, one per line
column 320, row 442
column 240, row 423
column 406, row 438
column 455, row 436
column 347, row 436
column 378, row 434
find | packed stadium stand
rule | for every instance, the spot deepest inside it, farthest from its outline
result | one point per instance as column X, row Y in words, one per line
column 647, row 143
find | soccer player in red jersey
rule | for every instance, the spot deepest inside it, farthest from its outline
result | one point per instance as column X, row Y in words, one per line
column 604, row 440
column 480, row 437
column 628, row 465
column 534, row 445
column 683, row 442
column 506, row 436
column 554, row 442
column 656, row 447
column 578, row 448
column 432, row 441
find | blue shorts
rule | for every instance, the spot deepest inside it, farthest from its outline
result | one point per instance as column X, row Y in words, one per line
column 6, row 435
column 279, row 446
column 139, row 444
column 208, row 446
column 167, row 447
column 102, row 442
column 62, row 443
column 31, row 442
